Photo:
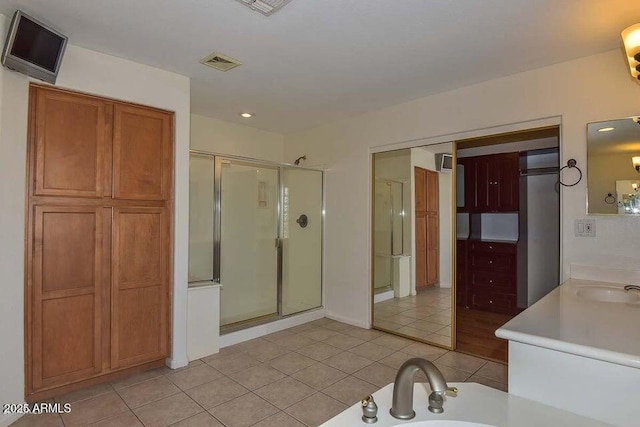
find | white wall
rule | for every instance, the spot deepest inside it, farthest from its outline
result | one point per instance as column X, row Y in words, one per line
column 104, row 75
column 217, row 136
column 577, row 92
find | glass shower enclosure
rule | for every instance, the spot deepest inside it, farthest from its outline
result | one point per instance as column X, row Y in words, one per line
column 256, row 228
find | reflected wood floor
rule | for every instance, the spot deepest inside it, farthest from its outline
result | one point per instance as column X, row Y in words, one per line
column 475, row 334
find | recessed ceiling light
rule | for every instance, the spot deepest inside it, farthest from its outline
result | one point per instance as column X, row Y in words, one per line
column 247, row 115
column 605, row 129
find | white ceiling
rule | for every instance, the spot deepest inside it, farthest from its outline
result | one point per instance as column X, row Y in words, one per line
column 317, row 61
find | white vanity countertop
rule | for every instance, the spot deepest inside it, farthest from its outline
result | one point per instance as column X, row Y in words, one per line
column 569, row 323
column 476, row 405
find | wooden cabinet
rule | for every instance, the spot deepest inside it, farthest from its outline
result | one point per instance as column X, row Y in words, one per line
column 491, row 183
column 461, row 273
column 492, row 276
column 427, row 249
column 98, row 268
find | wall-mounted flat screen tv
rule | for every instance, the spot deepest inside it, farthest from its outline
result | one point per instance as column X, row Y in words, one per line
column 33, row 48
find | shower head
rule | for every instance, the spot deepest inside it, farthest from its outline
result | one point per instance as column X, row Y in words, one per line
column 297, row 162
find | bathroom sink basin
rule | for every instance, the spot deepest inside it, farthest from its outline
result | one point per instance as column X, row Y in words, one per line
column 608, row 294
column 443, row 423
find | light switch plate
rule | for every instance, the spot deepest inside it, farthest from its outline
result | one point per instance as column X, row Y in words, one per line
column 585, row 227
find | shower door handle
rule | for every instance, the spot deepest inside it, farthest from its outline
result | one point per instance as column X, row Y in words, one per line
column 278, row 242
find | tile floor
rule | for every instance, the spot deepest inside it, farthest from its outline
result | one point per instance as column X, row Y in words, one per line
column 425, row 316
column 298, row 377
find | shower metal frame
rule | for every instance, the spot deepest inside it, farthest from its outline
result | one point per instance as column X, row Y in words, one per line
column 217, row 234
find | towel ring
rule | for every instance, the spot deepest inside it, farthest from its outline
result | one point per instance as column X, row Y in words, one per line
column 571, row 164
column 610, row 199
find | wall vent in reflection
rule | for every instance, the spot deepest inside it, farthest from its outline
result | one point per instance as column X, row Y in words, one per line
column 262, row 194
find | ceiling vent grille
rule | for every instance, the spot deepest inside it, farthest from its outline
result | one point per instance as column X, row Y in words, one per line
column 266, row 7
column 220, row 62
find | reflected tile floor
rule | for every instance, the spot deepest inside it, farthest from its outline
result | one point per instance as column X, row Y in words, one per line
column 302, row 376
column 425, row 316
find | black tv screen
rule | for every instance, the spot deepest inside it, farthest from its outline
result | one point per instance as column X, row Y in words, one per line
column 36, row 44
column 33, row 48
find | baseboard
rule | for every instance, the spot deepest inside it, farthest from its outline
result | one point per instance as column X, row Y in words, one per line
column 444, row 285
column 176, row 363
column 382, row 296
column 347, row 320
column 268, row 328
column 7, row 420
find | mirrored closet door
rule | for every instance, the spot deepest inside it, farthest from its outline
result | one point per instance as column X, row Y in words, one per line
column 413, row 206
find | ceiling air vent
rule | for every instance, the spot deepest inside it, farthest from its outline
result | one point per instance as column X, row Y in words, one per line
column 266, row 7
column 220, row 62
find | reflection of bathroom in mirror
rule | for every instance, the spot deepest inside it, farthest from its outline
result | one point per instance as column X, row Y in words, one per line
column 412, row 241
column 508, row 233
column 613, row 173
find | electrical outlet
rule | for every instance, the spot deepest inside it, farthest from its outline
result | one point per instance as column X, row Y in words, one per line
column 585, row 227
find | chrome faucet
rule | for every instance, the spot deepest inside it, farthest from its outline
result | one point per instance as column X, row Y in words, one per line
column 402, row 407
column 632, row 287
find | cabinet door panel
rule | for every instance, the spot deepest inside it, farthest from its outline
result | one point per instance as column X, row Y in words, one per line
column 432, row 192
column 67, row 271
column 509, row 182
column 483, row 183
column 71, row 135
column 421, row 250
column 139, row 285
column 420, row 190
column 141, row 153
column 432, row 250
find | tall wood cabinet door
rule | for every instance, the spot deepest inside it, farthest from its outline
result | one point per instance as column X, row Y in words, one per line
column 72, row 139
column 432, row 252
column 66, row 278
column 507, row 167
column 432, row 192
column 420, row 189
column 140, row 285
column 483, row 184
column 142, row 153
column 421, row 250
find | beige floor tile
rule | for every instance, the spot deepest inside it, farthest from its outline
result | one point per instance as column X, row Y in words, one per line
column 348, row 362
column 94, row 409
column 425, row 351
column 439, row 339
column 233, row 363
column 277, row 335
column 384, row 324
column 337, row 326
column 281, row 419
column 319, row 334
column 322, row 322
column 319, row 376
column 461, row 361
column 168, row 411
column 138, row 378
column 189, row 378
column 126, row 419
column 40, row 420
column 85, row 393
column 148, row 391
column 266, row 350
column 216, row 392
column 377, row 374
column 392, row 342
column 319, row 351
column 203, row 419
column 372, row 351
column 257, row 376
column 226, row 351
column 301, row 328
column 423, row 325
column 285, row 392
column 363, row 334
column 244, row 411
column 452, row 375
column 191, row 364
column 446, row 331
column 396, row 359
column 439, row 319
column 488, row 382
column 316, row 409
column 399, row 319
column 291, row 362
column 343, row 341
column 494, row 371
column 294, row 341
column 350, row 390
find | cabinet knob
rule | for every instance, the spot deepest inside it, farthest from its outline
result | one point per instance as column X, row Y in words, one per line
column 490, row 301
column 490, row 262
column 491, row 281
column 490, row 247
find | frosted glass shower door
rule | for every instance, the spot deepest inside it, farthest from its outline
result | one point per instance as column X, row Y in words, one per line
column 302, row 240
column 248, row 236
